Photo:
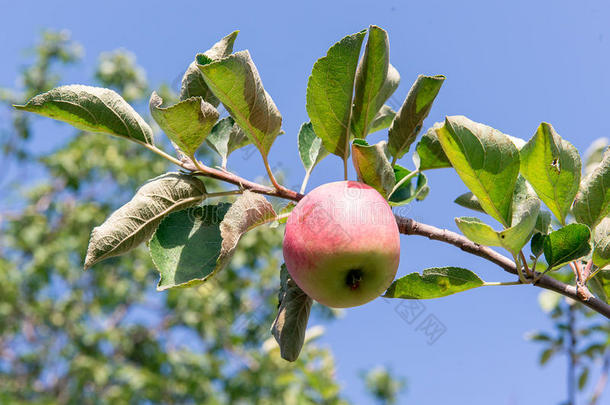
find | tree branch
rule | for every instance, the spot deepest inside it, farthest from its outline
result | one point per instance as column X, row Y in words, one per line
column 409, row 226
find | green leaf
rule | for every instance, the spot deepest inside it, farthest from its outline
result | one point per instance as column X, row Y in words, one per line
column 408, row 191
column 478, row 231
column 601, row 241
column 600, row 285
column 412, row 113
column 383, row 119
column 537, row 244
column 372, row 165
column 193, row 84
column 552, row 166
column 595, row 153
column 468, row 200
column 290, row 324
column 92, row 109
column 186, row 123
column 376, row 80
column 187, row 245
column 546, row 355
column 486, row 160
column 583, row 378
column 192, row 245
column 525, row 212
column 434, row 283
column 330, row 91
column 429, row 153
column 543, row 223
column 136, row 221
column 226, row 137
column 592, row 202
column 236, row 82
column 566, row 244
column 311, row 149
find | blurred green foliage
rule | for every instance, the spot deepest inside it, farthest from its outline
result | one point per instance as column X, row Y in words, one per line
column 105, row 335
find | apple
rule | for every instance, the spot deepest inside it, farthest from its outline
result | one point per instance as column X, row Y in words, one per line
column 342, row 244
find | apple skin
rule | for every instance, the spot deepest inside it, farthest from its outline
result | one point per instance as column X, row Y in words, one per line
column 342, row 244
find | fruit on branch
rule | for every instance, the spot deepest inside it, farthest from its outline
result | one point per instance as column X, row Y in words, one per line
column 342, row 244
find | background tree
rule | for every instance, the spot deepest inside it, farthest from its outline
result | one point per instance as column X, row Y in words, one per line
column 68, row 336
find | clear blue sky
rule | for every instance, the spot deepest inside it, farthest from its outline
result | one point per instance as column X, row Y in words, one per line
column 508, row 64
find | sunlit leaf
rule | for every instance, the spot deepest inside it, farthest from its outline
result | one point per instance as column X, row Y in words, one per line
column 236, row 82
column 411, row 115
column 186, row 123
column 330, row 91
column 376, row 80
column 193, row 84
column 311, row 149
column 486, row 160
column 601, row 241
column 136, row 221
column 434, row 283
column 429, row 153
column 372, row 165
column 92, row 109
column 592, row 202
column 566, row 244
column 552, row 166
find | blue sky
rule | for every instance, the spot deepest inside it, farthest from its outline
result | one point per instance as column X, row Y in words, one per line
column 510, row 65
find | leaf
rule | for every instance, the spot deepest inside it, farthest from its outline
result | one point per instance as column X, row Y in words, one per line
column 186, row 123
column 566, row 244
column 330, row 91
column 468, row 200
column 226, row 137
column 193, row 84
column 236, row 82
column 543, row 223
column 136, row 221
column 92, row 109
column 478, row 231
column 592, row 202
column 408, row 191
column 486, row 160
column 311, row 149
column 595, row 153
column 546, row 355
column 600, row 285
column 434, row 283
column 583, row 378
column 601, row 240
column 291, row 322
column 525, row 212
column 187, row 246
column 372, row 165
column 192, row 245
column 376, row 80
column 412, row 113
column 247, row 212
column 383, row 119
column 537, row 244
column 429, row 153
column 552, row 166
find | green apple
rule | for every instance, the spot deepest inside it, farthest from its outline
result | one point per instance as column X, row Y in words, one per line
column 342, row 244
